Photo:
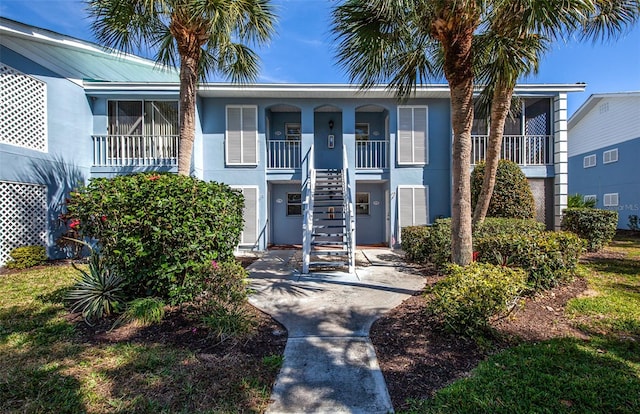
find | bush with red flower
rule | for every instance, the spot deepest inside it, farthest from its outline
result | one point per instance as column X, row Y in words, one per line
column 157, row 230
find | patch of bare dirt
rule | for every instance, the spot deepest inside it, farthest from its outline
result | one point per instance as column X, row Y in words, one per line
column 418, row 360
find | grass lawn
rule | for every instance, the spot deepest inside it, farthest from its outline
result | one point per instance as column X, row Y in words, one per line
column 567, row 375
column 47, row 367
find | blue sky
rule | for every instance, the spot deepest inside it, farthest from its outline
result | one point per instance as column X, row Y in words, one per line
column 302, row 50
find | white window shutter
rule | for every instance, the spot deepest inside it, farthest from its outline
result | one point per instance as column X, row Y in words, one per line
column 420, row 206
column 405, row 201
column 412, row 135
column 413, row 206
column 234, row 135
column 250, row 136
column 249, row 234
column 405, row 135
column 420, row 135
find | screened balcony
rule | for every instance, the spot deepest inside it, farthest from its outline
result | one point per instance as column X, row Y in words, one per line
column 521, row 149
column 135, row 150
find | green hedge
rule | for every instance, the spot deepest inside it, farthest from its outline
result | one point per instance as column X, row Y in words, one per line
column 511, row 198
column 157, row 230
column 465, row 300
column 548, row 258
column 433, row 243
column 493, row 226
column 27, row 256
column 596, row 226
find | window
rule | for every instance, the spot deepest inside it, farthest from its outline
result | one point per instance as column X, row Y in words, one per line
column 412, row 135
column 610, row 200
column 589, row 161
column 292, row 132
column 249, row 235
column 150, row 118
column 362, row 204
column 294, row 204
column 362, row 132
column 242, row 135
column 590, row 197
column 610, row 156
column 413, row 205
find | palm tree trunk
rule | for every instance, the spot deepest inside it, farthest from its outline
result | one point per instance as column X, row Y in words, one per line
column 188, row 85
column 459, row 74
column 500, row 105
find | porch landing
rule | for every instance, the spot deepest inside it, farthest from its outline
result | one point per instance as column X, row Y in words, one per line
column 330, row 364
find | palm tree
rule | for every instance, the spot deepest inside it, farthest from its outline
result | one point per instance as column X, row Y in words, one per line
column 400, row 42
column 203, row 36
column 518, row 36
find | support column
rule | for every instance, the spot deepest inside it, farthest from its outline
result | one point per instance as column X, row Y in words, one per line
column 560, row 158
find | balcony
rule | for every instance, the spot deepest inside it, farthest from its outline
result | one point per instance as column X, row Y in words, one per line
column 521, row 149
column 135, row 150
column 283, row 154
column 372, row 155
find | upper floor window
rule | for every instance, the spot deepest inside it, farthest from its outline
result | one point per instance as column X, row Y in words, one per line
column 589, row 161
column 529, row 116
column 610, row 156
column 413, row 135
column 362, row 132
column 242, row 135
column 292, row 132
column 23, row 113
column 149, row 118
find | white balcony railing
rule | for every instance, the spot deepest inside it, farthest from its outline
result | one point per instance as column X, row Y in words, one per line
column 135, row 150
column 521, row 149
column 372, row 154
column 283, row 154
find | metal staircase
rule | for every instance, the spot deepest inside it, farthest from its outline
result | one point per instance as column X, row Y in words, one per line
column 328, row 241
column 329, row 238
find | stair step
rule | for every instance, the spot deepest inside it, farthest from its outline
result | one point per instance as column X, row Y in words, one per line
column 328, row 264
column 328, row 243
column 329, row 253
column 326, row 234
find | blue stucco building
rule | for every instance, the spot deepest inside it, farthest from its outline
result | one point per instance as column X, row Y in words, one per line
column 72, row 111
column 604, row 153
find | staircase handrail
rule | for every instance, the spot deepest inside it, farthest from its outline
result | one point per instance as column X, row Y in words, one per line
column 348, row 208
column 307, row 225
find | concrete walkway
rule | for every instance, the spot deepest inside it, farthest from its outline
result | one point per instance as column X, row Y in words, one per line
column 330, row 365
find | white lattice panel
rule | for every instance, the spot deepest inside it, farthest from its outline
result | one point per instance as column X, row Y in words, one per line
column 22, row 109
column 23, row 216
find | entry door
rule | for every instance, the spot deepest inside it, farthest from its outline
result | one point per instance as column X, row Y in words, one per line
column 370, row 210
column 286, row 214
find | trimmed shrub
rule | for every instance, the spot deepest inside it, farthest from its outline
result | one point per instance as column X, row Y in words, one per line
column 466, row 300
column 548, row 258
column 414, row 243
column 512, row 197
column 428, row 243
column 596, row 226
column 492, row 226
column 156, row 230
column 433, row 244
column 27, row 256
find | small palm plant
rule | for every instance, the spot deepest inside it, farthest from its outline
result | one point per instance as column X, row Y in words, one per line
column 97, row 292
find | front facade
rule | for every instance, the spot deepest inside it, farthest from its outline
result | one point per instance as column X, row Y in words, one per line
column 304, row 156
column 604, row 150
